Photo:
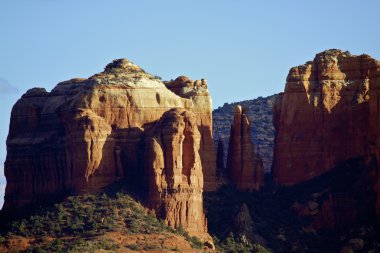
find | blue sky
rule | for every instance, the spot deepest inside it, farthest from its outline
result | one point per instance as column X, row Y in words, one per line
column 243, row 48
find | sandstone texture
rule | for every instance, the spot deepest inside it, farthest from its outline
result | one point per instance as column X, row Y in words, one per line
column 175, row 171
column 329, row 113
column 198, row 93
column 89, row 133
column 244, row 165
column 322, row 118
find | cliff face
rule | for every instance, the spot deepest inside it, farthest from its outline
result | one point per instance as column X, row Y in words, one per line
column 244, row 165
column 198, row 93
column 329, row 113
column 323, row 117
column 88, row 133
column 374, row 126
column 175, row 171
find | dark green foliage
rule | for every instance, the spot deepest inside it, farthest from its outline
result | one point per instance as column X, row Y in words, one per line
column 194, row 241
column 89, row 215
column 235, row 245
column 134, row 247
column 83, row 219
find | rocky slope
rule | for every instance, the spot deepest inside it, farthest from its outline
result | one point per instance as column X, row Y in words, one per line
column 244, row 166
column 89, row 133
column 259, row 110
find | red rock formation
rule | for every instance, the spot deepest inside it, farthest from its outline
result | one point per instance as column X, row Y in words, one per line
column 88, row 133
column 323, row 117
column 374, row 124
column 198, row 93
column 175, row 173
column 245, row 167
column 328, row 113
column 336, row 210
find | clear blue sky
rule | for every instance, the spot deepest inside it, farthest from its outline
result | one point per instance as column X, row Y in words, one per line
column 243, row 48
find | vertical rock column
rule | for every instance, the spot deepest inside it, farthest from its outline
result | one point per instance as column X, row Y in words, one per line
column 174, row 171
column 198, row 93
column 245, row 167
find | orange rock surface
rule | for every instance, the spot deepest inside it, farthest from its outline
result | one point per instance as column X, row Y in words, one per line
column 328, row 113
column 198, row 93
column 89, row 133
column 175, row 171
column 244, row 165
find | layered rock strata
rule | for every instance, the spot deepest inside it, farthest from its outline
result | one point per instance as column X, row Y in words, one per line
column 88, row 133
column 328, row 114
column 198, row 93
column 244, row 165
column 175, row 171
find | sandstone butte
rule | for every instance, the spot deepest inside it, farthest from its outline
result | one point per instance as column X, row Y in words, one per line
column 89, row 133
column 245, row 167
column 329, row 113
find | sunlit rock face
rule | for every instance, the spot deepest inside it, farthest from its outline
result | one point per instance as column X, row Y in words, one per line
column 198, row 93
column 89, row 133
column 175, row 172
column 329, row 112
column 244, row 165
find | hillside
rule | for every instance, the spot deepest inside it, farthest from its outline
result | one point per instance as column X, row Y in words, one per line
column 95, row 223
column 104, row 223
column 260, row 113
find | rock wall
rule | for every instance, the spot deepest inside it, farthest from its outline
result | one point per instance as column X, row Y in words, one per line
column 322, row 118
column 244, row 165
column 374, row 126
column 175, row 171
column 88, row 133
column 328, row 114
column 198, row 93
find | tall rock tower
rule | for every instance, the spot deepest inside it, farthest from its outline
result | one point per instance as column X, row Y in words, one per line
column 245, row 166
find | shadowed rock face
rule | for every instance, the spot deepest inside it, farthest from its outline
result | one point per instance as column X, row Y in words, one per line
column 244, row 165
column 328, row 114
column 87, row 133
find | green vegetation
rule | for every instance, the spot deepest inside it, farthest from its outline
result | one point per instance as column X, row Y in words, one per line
column 232, row 244
column 79, row 245
column 195, row 242
column 81, row 223
column 89, row 215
